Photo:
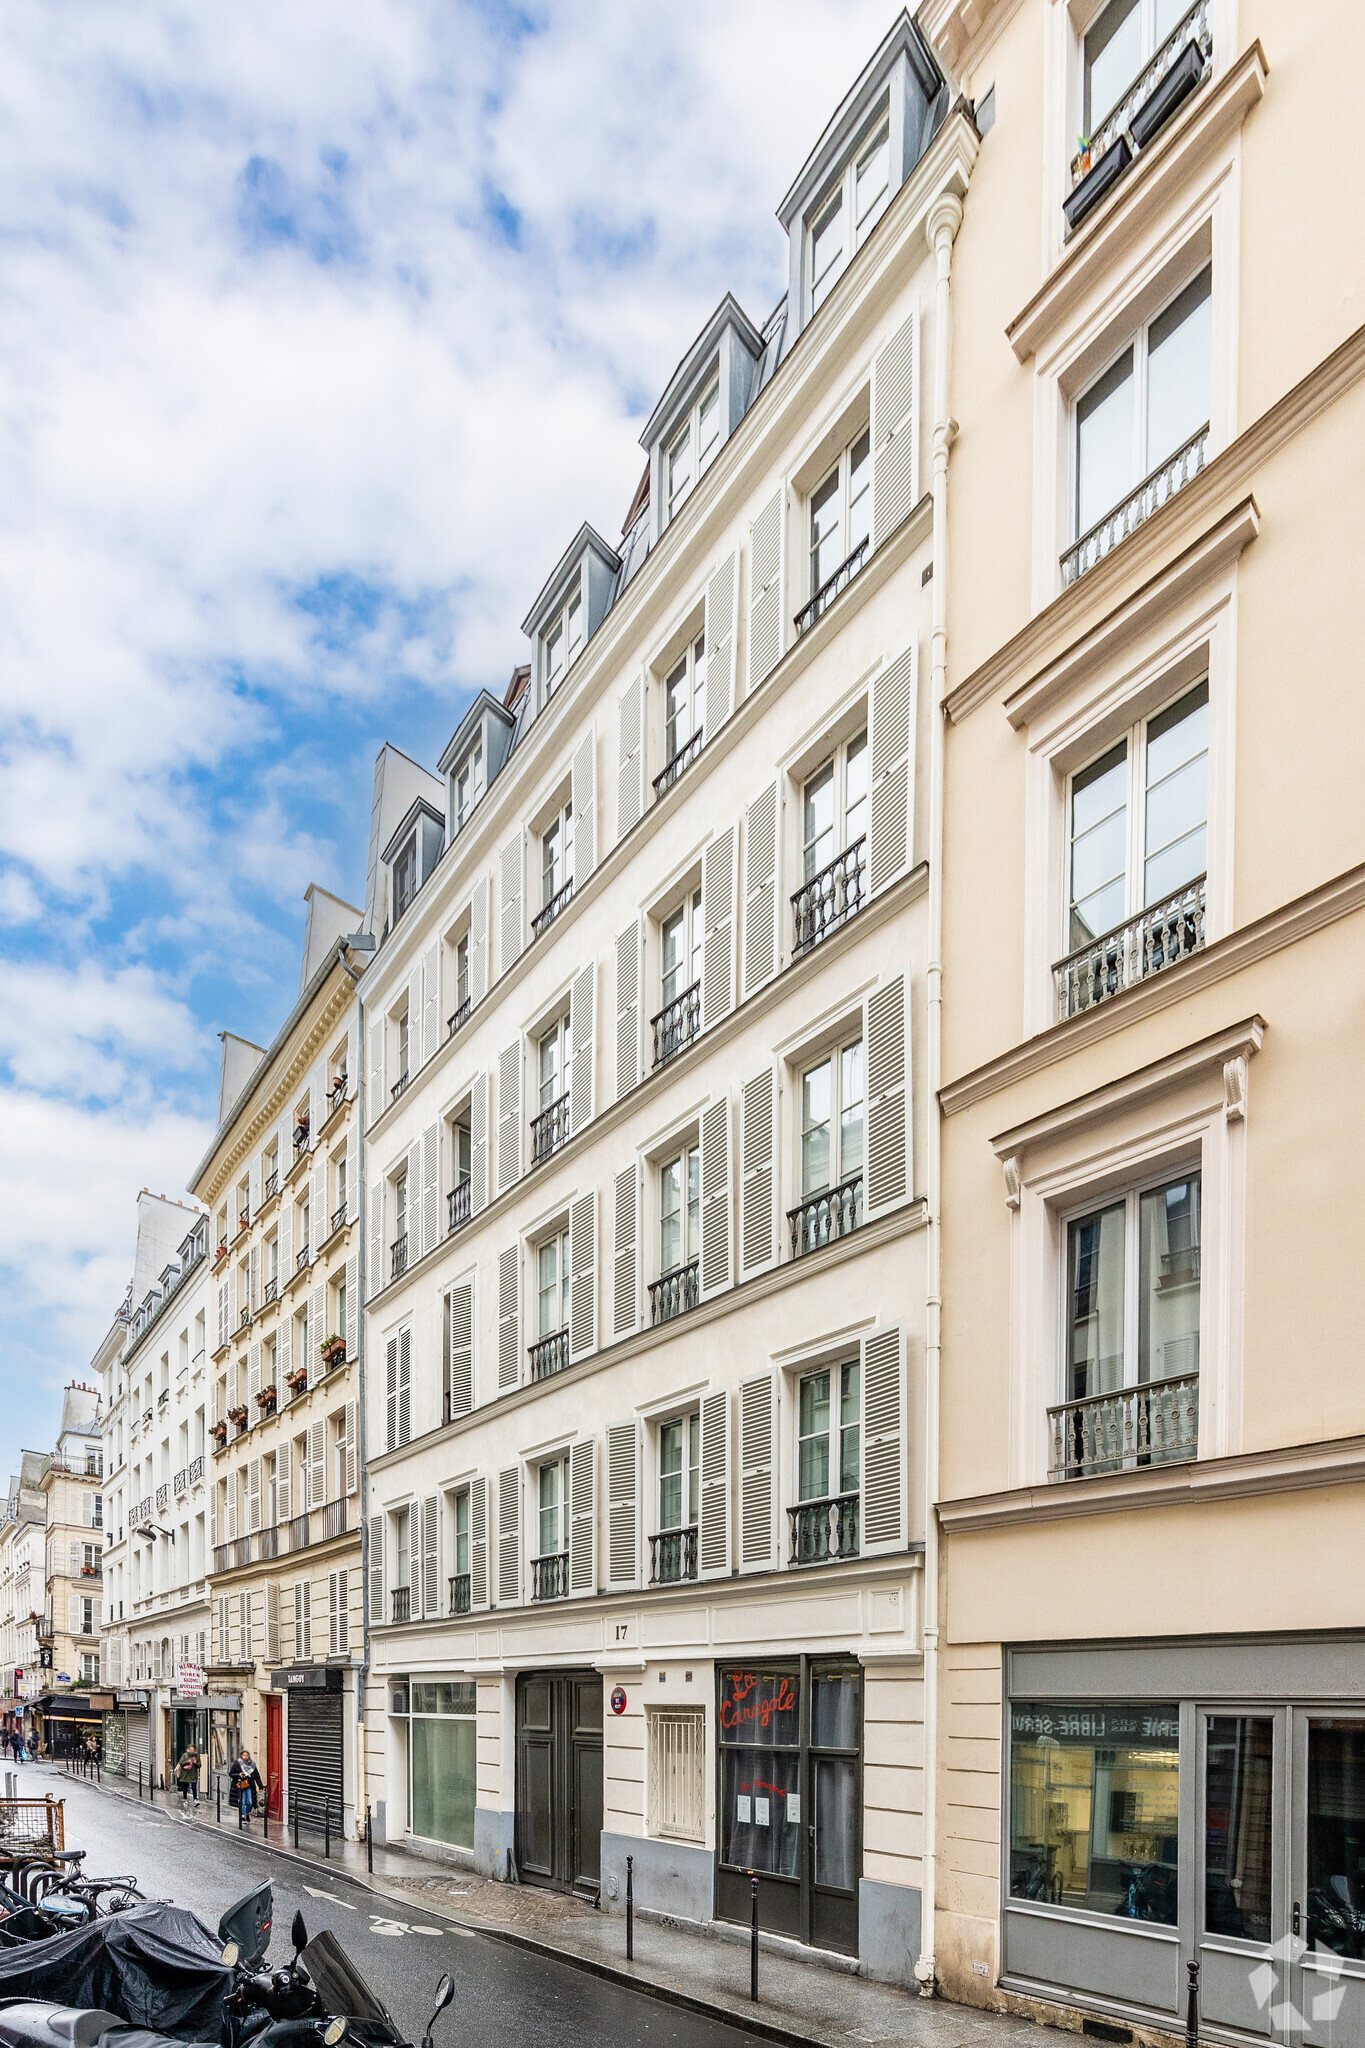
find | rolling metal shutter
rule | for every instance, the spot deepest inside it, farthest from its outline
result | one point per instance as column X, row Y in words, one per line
column 314, row 1748
column 138, row 1746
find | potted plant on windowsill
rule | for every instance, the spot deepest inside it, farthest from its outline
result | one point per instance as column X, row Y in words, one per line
column 221, row 1253
column 333, row 1350
column 219, row 1433
column 266, row 1400
column 297, row 1380
column 238, row 1415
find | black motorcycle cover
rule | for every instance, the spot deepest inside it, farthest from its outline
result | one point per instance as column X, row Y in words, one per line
column 156, row 1966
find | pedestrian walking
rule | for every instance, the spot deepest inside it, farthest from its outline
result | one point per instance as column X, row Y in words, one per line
column 246, row 1783
column 187, row 1776
column 17, row 1745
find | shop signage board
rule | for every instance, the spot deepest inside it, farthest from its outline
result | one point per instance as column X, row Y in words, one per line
column 191, row 1680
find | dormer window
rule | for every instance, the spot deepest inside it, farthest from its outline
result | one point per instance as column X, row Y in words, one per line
column 849, row 212
column 562, row 644
column 694, row 446
column 469, row 786
column 404, row 878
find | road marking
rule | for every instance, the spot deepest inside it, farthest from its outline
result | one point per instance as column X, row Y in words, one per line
column 331, row 1897
column 395, row 1929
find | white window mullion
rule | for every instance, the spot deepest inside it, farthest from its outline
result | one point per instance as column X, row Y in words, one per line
column 1131, row 1292
column 1137, row 786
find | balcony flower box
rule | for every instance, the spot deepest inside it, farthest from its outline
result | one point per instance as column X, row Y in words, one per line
column 239, row 1416
column 297, row 1380
column 221, row 1253
column 333, row 1350
column 219, row 1433
column 266, row 1400
column 1175, row 88
column 1103, row 174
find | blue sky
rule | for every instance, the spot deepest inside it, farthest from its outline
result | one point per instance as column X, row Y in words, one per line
column 321, row 330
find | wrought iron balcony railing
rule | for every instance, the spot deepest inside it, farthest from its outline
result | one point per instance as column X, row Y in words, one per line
column 402, row 1604
column 1153, row 1424
column 1192, row 31
column 243, row 1319
column 550, row 1576
column 546, row 916
column 549, row 1355
column 831, row 587
column 549, row 1130
column 459, row 1204
column 397, row 1089
column 398, row 1257
column 270, row 1292
column 182, row 1481
column 460, row 1593
column 1156, row 938
column 823, row 1217
column 673, row 1294
column 677, row 1024
column 196, row 1469
column 301, row 1257
column 822, row 1530
column 679, row 765
column 1151, row 494
column 460, row 1017
column 163, row 1494
column 271, row 1186
column 336, row 1094
column 830, row 898
column 673, row 1556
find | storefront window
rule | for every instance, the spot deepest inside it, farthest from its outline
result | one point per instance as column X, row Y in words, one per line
column 443, row 1752
column 1336, row 1836
column 1094, row 1794
column 1238, row 1821
column 760, row 1729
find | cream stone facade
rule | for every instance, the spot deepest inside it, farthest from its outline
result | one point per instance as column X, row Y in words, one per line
column 281, row 1182
column 22, row 1555
column 1150, row 1490
column 72, row 1487
column 648, row 1242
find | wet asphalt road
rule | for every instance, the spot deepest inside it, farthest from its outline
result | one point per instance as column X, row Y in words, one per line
column 503, row 1995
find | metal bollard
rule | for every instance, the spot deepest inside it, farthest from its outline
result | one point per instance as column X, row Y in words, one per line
column 139, row 1781
column 753, row 1939
column 265, row 1817
column 630, row 1909
column 369, row 1842
column 296, row 1820
column 1192, row 2008
column 327, row 1829
column 218, row 1800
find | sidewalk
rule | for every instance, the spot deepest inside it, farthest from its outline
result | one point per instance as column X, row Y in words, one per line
column 801, row 2001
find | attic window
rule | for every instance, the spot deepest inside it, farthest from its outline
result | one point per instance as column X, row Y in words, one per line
column 848, row 213
column 563, row 641
column 468, row 784
column 405, row 878
column 694, row 446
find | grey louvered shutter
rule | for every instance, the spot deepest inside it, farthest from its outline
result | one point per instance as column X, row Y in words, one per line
column 623, row 1518
column 374, row 1279
column 404, row 1386
column 460, row 1325
column 352, row 1171
column 713, row 1540
column 509, row 1536
column 317, row 1309
column 376, row 1561
column 391, row 1395
column 885, row 1480
column 509, row 1318
column 253, row 1495
column 317, row 1464
column 757, row 1418
column 715, row 1197
column 348, row 1448
column 584, row 799
column 758, row 1175
column 431, row 1562
column 722, row 595
column 415, row 1216
column 510, row 885
column 583, row 1517
column 431, row 1186
column 352, row 1330
column 760, row 889
column 431, row 1003
column 630, row 759
column 888, row 1128
column 478, row 1144
column 509, row 1116
column 478, row 1543
column 765, row 591
column 478, row 942
column 718, row 918
column 333, row 1615
column 628, row 951
column 892, row 739
column 283, row 1486
column 286, row 1233
column 272, row 1622
column 583, row 1275
column 625, row 1264
column 895, row 450
column 582, row 1028
column 374, row 1100
column 414, row 1514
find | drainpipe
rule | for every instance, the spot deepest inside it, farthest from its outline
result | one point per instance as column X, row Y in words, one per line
column 360, row 942
column 943, row 224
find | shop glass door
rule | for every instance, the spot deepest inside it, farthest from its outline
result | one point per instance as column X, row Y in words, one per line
column 1240, row 1896
column 1327, row 1879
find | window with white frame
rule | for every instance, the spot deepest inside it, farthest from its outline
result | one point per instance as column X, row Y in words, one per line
column 824, row 1520
column 680, row 948
column 841, row 514
column 680, row 1471
column 1119, row 43
column 563, row 641
column 849, row 211
column 834, row 807
column 694, row 447
column 468, row 784
column 1137, row 854
column 1131, row 1331
column 399, row 1247
column 460, row 1532
column 550, row 1566
column 461, row 975
column 685, row 702
column 556, row 857
column 1145, row 406
column 404, row 878
column 832, row 1100
column 552, row 1285
column 552, row 1074
column 680, row 1210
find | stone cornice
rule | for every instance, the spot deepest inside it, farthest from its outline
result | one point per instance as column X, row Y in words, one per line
column 1293, row 1468
column 268, row 1098
column 1163, row 166
column 1279, row 928
column 1184, row 521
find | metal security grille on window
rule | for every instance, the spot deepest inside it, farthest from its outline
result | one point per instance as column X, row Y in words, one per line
column 677, row 1774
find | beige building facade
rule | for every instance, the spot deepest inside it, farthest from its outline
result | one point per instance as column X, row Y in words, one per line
column 281, row 1183
column 72, row 1486
column 1150, row 1505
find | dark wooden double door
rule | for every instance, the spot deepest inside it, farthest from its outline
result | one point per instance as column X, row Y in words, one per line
column 559, row 1780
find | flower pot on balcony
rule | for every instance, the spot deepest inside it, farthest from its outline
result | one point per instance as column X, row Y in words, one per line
column 1174, row 89
column 1100, row 179
column 297, row 1380
column 266, row 1399
column 333, row 1350
column 219, row 1433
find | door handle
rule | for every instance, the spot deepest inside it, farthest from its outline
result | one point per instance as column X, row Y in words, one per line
column 1294, row 1920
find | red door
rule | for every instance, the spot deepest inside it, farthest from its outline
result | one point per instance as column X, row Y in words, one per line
column 273, row 1755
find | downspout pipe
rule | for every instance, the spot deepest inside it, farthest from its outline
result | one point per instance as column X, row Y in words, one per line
column 360, row 942
column 945, row 218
